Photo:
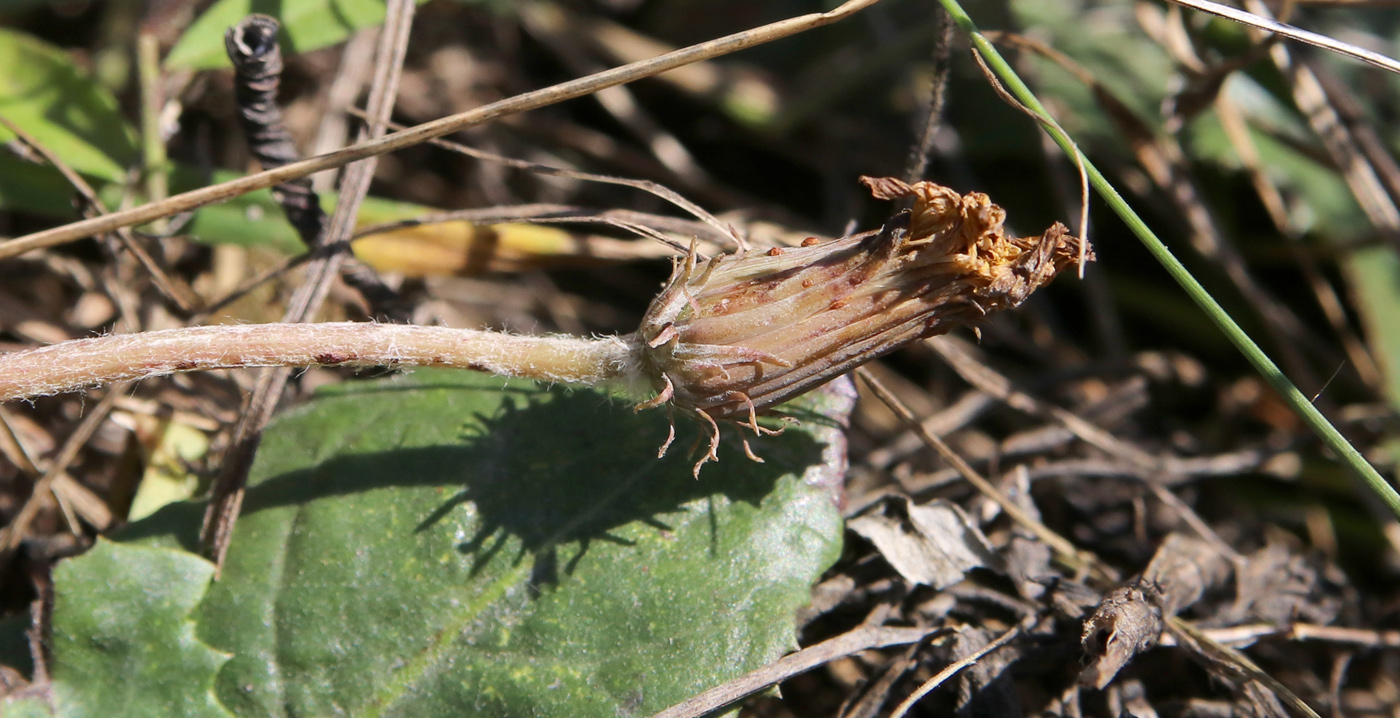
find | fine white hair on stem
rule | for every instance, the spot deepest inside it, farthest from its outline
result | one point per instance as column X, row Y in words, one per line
column 72, row 365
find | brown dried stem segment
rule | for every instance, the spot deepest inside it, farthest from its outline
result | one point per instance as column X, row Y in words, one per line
column 737, row 334
column 1130, row 619
column 85, row 362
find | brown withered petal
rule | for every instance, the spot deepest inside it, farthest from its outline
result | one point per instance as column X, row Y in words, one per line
column 737, row 334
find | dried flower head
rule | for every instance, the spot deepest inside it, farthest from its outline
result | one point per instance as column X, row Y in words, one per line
column 737, row 334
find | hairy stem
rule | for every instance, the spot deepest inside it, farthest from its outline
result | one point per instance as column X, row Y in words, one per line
column 72, row 365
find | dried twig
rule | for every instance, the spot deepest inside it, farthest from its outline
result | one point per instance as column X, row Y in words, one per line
column 1065, row 550
column 1296, row 33
column 14, row 533
column 951, row 670
column 860, row 639
column 1130, row 619
column 175, row 291
column 655, row 188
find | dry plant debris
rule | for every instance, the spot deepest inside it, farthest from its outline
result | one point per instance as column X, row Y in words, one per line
column 1256, row 586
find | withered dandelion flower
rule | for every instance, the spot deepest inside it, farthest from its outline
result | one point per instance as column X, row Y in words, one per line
column 737, row 334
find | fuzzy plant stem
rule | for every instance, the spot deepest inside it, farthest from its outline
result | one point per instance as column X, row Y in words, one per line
column 72, row 365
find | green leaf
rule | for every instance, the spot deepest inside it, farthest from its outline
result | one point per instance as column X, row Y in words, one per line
column 123, row 641
column 306, row 25
column 255, row 218
column 1375, row 273
column 35, row 188
column 1329, row 208
column 456, row 544
column 1111, row 47
column 24, row 707
column 47, row 96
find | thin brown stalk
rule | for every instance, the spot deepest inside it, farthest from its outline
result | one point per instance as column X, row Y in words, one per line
column 177, row 292
column 951, row 670
column 654, row 188
column 865, row 638
column 1227, row 661
column 1240, row 636
column 1065, row 550
column 14, row 533
column 591, row 246
column 437, row 128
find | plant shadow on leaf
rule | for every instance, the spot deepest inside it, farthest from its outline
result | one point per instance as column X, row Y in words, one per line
column 547, row 468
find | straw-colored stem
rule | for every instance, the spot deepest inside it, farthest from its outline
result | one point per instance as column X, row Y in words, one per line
column 152, row 144
column 72, row 365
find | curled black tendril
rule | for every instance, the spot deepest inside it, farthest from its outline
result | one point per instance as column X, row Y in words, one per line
column 257, row 62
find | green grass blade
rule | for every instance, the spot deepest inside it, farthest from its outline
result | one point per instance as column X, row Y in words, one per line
column 1256, row 356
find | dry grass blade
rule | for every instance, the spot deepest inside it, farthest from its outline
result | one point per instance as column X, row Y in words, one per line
column 708, row 237
column 1234, row 663
column 655, row 188
column 14, row 533
column 178, row 294
column 1065, row 550
column 861, row 639
column 952, row 670
column 431, row 130
column 1296, row 33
